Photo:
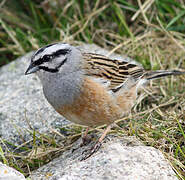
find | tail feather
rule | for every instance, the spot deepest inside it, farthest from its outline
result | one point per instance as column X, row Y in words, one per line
column 161, row 73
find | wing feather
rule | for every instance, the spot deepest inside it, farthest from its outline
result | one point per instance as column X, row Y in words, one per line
column 114, row 71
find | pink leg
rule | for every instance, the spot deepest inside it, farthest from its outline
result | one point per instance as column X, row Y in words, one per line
column 84, row 137
column 85, row 134
column 105, row 133
column 85, row 140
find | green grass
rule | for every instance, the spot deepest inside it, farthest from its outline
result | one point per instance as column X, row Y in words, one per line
column 153, row 33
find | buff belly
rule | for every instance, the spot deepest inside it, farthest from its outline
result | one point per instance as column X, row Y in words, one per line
column 94, row 106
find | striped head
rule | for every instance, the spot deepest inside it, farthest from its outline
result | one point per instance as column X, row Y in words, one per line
column 54, row 58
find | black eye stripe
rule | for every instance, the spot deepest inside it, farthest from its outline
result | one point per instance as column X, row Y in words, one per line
column 53, row 70
column 47, row 58
column 38, row 62
column 60, row 52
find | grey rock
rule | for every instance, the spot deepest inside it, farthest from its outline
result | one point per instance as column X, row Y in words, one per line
column 8, row 173
column 120, row 158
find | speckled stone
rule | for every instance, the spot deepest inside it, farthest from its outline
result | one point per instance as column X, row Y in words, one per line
column 120, row 158
column 8, row 173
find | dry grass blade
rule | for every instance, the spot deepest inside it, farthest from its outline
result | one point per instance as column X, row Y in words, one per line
column 125, row 43
column 88, row 19
column 143, row 8
column 11, row 34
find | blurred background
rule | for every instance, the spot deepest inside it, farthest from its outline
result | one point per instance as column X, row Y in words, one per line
column 150, row 31
column 129, row 27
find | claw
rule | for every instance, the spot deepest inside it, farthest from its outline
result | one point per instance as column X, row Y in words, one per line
column 93, row 150
column 97, row 146
column 85, row 141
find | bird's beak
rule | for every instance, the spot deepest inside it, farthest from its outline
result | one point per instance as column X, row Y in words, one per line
column 31, row 69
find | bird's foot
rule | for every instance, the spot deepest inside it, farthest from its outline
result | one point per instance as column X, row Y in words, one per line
column 90, row 152
column 85, row 141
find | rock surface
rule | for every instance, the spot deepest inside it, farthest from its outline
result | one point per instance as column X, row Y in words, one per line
column 121, row 158
column 8, row 173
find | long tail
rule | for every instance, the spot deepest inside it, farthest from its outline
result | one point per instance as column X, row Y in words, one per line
column 161, row 73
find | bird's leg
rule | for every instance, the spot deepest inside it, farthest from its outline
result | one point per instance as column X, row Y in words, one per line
column 85, row 139
column 97, row 146
column 105, row 133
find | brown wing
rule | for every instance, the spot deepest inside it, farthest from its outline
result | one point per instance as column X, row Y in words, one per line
column 114, row 71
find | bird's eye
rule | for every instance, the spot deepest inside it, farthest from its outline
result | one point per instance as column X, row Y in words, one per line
column 46, row 58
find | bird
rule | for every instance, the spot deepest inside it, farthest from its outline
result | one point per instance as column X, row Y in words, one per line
column 87, row 88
